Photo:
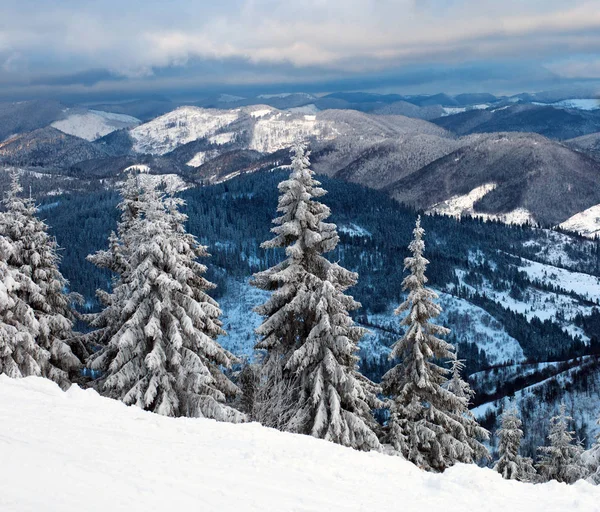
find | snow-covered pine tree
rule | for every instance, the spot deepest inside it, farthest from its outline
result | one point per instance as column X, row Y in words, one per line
column 510, row 464
column 20, row 355
column 561, row 460
column 429, row 425
column 310, row 383
column 457, row 384
column 35, row 255
column 462, row 390
column 163, row 355
column 116, row 259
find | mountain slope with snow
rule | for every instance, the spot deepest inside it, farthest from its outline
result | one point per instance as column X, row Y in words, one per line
column 546, row 178
column 93, row 124
column 586, row 223
column 75, row 450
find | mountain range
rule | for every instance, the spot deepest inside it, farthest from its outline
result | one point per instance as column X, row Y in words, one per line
column 513, row 159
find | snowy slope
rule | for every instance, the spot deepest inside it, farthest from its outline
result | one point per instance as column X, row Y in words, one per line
column 542, row 304
column 584, row 285
column 579, row 104
column 179, row 127
column 78, row 451
column 458, row 206
column 280, row 130
column 586, row 223
column 93, row 124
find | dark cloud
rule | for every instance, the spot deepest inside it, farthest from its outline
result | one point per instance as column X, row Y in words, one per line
column 86, row 78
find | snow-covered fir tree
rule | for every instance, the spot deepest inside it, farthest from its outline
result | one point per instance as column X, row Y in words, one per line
column 457, row 384
column 116, row 259
column 429, row 424
column 510, row 463
column 310, row 381
column 20, row 355
column 34, row 255
column 561, row 460
column 162, row 354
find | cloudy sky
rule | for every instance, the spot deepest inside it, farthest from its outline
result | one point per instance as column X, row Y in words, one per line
column 137, row 47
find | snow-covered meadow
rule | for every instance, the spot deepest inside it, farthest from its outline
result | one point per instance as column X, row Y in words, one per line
column 74, row 450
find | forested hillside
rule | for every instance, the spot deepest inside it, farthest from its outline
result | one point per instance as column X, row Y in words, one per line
column 511, row 294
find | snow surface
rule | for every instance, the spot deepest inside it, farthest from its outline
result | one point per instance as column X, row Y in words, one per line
column 262, row 112
column 458, row 206
column 448, row 111
column 580, row 104
column 286, row 95
column 182, row 125
column 585, row 223
column 222, row 138
column 544, row 305
column 172, row 182
column 202, row 157
column 74, row 450
column 197, row 160
column 93, row 124
column 461, row 205
column 278, row 131
column 584, row 285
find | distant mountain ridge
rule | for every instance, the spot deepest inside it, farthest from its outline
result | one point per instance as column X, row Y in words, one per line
column 525, row 176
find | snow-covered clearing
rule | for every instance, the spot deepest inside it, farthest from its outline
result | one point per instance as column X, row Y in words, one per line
column 202, row 157
column 304, row 109
column 179, row 127
column 449, row 111
column 222, row 138
column 461, row 205
column 584, row 285
column 536, row 303
column 278, row 131
column 458, row 206
column 585, row 223
column 78, row 451
column 354, row 230
column 554, row 249
column 93, row 124
column 261, row 112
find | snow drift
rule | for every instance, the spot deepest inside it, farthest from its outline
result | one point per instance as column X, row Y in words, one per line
column 74, row 450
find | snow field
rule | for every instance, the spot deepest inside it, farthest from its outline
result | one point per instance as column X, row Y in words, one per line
column 585, row 223
column 74, row 450
column 458, row 206
column 93, row 124
column 179, row 127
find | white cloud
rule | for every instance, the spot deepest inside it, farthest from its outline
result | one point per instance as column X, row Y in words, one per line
column 132, row 37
